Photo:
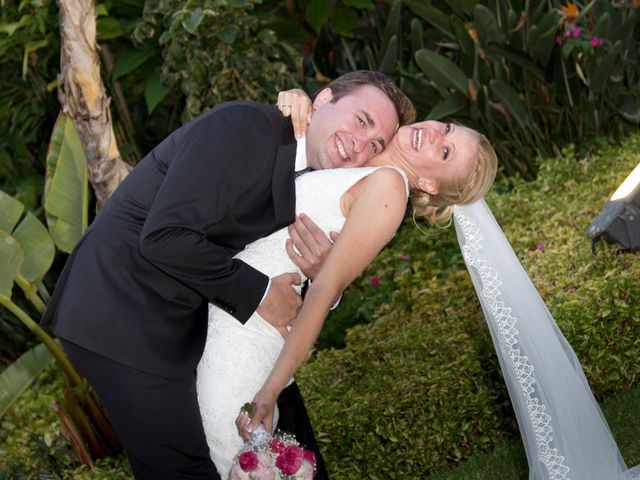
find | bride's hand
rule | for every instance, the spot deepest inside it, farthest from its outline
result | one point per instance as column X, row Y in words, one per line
column 264, row 405
column 297, row 104
column 242, row 422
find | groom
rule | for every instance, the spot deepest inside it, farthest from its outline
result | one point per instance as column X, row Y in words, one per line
column 130, row 306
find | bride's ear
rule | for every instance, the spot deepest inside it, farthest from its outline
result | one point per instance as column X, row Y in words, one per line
column 323, row 97
column 429, row 186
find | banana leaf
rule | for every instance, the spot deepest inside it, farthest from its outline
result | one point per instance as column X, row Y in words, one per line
column 17, row 377
column 37, row 245
column 66, row 195
column 11, row 259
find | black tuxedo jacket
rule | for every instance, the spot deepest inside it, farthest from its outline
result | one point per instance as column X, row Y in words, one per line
column 135, row 288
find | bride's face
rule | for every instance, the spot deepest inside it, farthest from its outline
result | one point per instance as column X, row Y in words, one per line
column 436, row 152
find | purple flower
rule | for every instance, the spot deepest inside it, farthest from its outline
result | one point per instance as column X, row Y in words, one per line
column 576, row 31
column 558, row 40
column 375, row 281
column 540, row 247
column 597, row 41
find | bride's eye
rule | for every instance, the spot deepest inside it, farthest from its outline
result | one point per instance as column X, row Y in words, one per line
column 445, row 153
column 447, row 129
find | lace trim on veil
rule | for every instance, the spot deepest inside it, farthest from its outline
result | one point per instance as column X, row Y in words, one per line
column 508, row 341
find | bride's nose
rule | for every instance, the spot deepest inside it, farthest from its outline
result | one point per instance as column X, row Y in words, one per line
column 433, row 135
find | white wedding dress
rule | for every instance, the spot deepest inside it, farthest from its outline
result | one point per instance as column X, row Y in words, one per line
column 238, row 358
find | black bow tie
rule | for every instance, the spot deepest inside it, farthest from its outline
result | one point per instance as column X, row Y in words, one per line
column 299, row 173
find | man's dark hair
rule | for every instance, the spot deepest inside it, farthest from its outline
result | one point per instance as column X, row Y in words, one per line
column 349, row 82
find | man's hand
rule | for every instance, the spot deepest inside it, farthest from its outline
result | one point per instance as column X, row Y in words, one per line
column 282, row 303
column 311, row 243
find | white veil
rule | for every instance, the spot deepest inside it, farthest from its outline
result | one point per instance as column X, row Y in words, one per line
column 563, row 430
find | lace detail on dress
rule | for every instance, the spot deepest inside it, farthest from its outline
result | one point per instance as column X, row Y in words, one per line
column 238, row 358
column 508, row 340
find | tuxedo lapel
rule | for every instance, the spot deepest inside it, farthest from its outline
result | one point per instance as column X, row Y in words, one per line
column 283, row 185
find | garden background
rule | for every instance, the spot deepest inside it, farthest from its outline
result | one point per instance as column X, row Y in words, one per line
column 404, row 381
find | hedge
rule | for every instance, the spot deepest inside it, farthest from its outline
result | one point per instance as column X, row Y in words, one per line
column 419, row 387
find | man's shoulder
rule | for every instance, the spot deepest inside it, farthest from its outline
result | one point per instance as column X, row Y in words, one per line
column 244, row 108
column 259, row 116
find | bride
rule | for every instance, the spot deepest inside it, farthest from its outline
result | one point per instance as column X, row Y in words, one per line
column 442, row 164
column 564, row 432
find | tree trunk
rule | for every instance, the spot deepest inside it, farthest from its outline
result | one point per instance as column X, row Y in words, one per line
column 83, row 96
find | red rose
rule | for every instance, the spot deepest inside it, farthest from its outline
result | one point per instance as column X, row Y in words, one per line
column 248, row 461
column 310, row 457
column 277, row 445
column 290, row 460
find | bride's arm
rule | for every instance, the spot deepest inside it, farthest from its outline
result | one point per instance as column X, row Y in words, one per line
column 373, row 217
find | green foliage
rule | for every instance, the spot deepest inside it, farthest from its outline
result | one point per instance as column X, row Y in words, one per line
column 507, row 69
column 32, row 444
column 66, row 198
column 29, row 54
column 17, row 377
column 420, row 383
column 212, row 51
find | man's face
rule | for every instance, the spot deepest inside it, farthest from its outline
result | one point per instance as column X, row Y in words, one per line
column 349, row 132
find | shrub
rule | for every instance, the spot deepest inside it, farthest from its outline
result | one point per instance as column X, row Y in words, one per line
column 216, row 50
column 421, row 383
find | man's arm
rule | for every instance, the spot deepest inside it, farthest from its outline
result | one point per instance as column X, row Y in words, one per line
column 214, row 165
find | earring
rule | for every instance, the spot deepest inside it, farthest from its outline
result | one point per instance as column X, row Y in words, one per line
column 421, row 184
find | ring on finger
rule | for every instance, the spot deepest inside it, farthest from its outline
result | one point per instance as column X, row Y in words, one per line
column 286, row 105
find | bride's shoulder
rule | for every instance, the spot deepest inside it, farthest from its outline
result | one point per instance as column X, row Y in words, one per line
column 388, row 180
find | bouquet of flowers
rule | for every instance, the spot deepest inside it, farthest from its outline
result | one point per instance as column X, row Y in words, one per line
column 273, row 457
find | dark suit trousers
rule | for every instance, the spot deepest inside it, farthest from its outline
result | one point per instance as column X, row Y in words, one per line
column 158, row 420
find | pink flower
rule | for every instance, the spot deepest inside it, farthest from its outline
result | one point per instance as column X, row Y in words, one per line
column 290, row 460
column 597, row 41
column 276, row 445
column 540, row 247
column 375, row 281
column 567, row 35
column 306, row 472
column 406, row 258
column 310, row 457
column 248, row 461
column 265, row 470
column 576, row 31
column 558, row 40
column 236, row 473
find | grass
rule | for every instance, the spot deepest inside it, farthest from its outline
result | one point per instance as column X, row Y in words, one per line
column 508, row 461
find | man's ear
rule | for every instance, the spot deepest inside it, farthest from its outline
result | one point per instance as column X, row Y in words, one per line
column 323, row 97
column 430, row 186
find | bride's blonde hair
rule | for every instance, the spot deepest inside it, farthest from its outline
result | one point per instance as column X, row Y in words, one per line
column 438, row 209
